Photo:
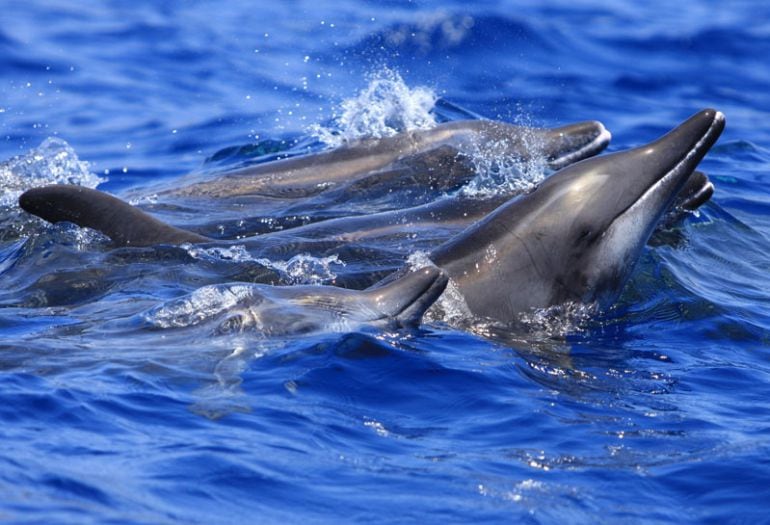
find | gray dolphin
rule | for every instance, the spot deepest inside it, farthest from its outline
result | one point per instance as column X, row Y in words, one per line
column 292, row 310
column 126, row 225
column 435, row 157
column 577, row 237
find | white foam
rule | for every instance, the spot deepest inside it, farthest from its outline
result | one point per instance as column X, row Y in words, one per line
column 500, row 172
column 236, row 253
column 300, row 269
column 386, row 106
column 306, row 269
column 450, row 307
column 53, row 162
column 558, row 320
column 202, row 304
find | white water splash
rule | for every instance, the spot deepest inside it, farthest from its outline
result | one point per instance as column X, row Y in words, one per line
column 500, row 172
column 53, row 162
column 300, row 269
column 201, row 305
column 144, row 199
column 558, row 320
column 385, row 107
column 418, row 260
column 236, row 253
column 450, row 307
column 305, row 269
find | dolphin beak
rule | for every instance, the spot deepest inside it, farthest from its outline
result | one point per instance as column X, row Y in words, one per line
column 406, row 297
column 658, row 171
column 688, row 143
column 675, row 155
column 655, row 174
column 575, row 142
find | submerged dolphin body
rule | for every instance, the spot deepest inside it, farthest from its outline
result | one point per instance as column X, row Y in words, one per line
column 577, row 237
column 293, row 310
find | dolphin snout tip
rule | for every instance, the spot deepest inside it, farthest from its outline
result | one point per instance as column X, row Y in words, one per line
column 29, row 200
column 435, row 276
column 713, row 114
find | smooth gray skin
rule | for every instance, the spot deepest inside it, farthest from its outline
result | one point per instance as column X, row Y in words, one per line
column 292, row 310
column 444, row 147
column 577, row 237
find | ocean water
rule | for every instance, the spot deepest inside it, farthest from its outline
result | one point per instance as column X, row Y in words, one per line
column 655, row 411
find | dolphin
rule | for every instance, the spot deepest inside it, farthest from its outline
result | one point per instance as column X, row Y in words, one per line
column 435, row 157
column 127, row 225
column 293, row 310
column 577, row 236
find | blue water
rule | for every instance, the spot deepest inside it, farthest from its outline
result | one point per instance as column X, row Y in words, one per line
column 657, row 411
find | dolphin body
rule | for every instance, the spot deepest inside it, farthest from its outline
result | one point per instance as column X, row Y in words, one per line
column 577, row 237
column 293, row 310
column 437, row 158
column 366, row 176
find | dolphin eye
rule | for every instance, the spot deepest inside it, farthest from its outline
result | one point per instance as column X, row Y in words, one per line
column 585, row 234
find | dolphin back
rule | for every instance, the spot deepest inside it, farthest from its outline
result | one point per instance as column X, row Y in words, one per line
column 126, row 225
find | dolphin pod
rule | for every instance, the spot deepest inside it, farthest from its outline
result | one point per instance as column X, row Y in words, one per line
column 418, row 159
column 575, row 238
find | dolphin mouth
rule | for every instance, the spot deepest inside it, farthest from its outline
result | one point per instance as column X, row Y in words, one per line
column 598, row 140
column 672, row 180
column 697, row 191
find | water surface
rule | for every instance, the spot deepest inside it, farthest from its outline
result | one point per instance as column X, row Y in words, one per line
column 655, row 411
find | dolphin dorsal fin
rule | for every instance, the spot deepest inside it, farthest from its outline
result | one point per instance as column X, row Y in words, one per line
column 126, row 225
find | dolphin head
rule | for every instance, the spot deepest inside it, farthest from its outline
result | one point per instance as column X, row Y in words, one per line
column 611, row 205
column 577, row 236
